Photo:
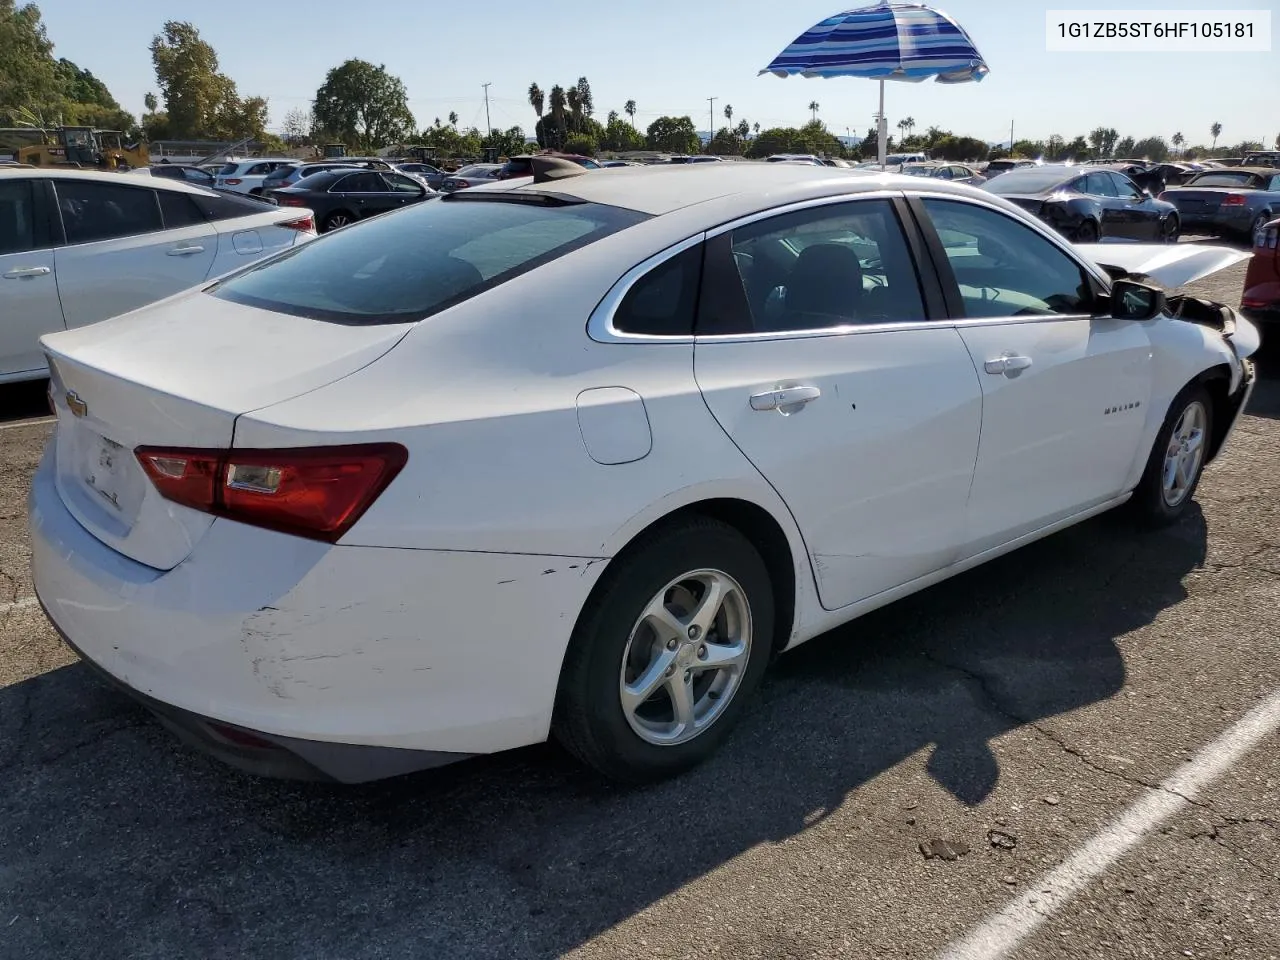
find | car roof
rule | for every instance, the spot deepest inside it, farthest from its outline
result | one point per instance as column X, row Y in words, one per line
column 1260, row 171
column 658, row 190
column 105, row 176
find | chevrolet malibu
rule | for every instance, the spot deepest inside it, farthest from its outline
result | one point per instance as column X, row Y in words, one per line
column 575, row 456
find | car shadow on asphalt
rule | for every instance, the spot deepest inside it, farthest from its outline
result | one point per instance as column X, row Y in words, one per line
column 116, row 841
column 18, row 401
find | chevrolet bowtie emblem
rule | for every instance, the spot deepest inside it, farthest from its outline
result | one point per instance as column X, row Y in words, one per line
column 77, row 406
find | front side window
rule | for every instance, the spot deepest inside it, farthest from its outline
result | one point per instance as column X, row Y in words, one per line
column 1099, row 185
column 93, row 211
column 1003, row 267
column 1126, row 188
column 814, row 269
column 423, row 260
column 402, row 184
column 17, row 217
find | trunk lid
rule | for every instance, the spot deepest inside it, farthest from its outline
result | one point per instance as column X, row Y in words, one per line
column 1199, row 201
column 178, row 373
column 1171, row 265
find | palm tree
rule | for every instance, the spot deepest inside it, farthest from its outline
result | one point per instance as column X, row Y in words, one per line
column 756, row 128
column 902, row 128
column 150, row 102
column 1216, row 130
column 909, row 123
column 453, row 120
column 728, row 113
column 629, row 108
column 813, row 108
column 537, row 99
column 556, row 100
column 575, row 109
column 1178, row 139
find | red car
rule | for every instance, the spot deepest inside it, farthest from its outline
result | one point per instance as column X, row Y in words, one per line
column 1261, row 300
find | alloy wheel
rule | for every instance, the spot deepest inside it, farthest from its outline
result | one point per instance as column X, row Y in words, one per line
column 685, row 657
column 1185, row 454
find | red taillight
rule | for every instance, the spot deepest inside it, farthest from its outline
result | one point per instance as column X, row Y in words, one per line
column 1233, row 200
column 232, row 182
column 287, row 201
column 317, row 492
column 307, row 224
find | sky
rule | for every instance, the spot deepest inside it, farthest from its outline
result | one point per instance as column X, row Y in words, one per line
column 670, row 56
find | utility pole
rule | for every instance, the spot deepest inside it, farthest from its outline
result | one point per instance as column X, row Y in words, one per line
column 488, row 125
column 711, row 133
column 1011, row 138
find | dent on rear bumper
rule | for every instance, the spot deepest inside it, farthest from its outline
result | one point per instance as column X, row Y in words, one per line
column 425, row 650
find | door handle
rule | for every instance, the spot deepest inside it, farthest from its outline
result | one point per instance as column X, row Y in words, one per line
column 25, row 273
column 184, row 251
column 1007, row 364
column 784, row 397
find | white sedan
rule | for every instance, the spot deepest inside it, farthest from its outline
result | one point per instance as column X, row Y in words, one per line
column 577, row 456
column 77, row 247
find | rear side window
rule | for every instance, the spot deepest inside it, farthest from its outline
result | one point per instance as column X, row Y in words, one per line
column 664, row 301
column 179, row 210
column 360, row 183
column 407, row 266
column 17, row 217
column 1224, row 180
column 94, row 211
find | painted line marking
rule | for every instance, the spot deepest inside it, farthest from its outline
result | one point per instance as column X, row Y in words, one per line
column 1000, row 934
column 18, row 605
column 27, row 423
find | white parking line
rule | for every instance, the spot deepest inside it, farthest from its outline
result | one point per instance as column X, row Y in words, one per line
column 997, row 936
column 18, row 604
column 26, row 423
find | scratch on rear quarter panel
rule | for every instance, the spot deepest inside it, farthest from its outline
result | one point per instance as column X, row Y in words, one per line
column 501, row 582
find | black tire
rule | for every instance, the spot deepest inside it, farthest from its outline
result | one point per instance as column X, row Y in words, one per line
column 589, row 718
column 1260, row 221
column 255, row 192
column 1150, row 504
column 1087, row 232
column 335, row 220
column 1170, row 229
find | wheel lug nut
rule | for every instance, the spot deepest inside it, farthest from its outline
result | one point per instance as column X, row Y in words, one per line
column 695, row 632
column 672, row 643
column 702, row 653
column 671, row 669
column 688, row 675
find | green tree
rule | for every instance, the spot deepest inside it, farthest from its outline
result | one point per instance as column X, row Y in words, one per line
column 297, row 126
column 194, row 92
column 813, row 108
column 1124, row 148
column 728, row 113
column 508, row 143
column 1152, row 148
column 582, row 144
column 1178, row 139
column 674, row 135
column 629, row 108
column 1096, row 138
column 365, row 105
column 537, row 99
column 453, row 119
column 1216, row 130
column 619, row 136
column 29, row 77
column 586, row 102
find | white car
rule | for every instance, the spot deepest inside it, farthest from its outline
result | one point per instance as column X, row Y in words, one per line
column 77, row 247
column 577, row 456
column 246, row 176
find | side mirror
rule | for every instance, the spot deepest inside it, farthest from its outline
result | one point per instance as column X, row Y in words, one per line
column 1135, row 301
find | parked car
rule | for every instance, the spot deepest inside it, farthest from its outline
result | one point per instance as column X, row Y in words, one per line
column 471, row 175
column 433, row 177
column 996, row 167
column 1236, row 201
column 288, row 176
column 1263, row 158
column 698, row 158
column 77, row 247
column 182, row 171
column 809, row 158
column 248, row 176
column 940, row 170
column 522, row 166
column 341, row 197
column 1261, row 299
column 620, row 163
column 380, row 545
column 1088, row 204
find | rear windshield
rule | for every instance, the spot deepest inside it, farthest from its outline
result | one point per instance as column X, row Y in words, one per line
column 409, row 265
column 228, row 169
column 1225, row 180
column 1027, row 180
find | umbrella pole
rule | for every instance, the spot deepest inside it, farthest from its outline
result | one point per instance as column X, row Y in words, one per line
column 883, row 146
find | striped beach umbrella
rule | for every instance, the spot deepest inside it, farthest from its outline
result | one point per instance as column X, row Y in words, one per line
column 908, row 42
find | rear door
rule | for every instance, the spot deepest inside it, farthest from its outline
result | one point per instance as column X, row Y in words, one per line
column 1065, row 388
column 816, row 353
column 1142, row 216
column 118, row 254
column 29, row 305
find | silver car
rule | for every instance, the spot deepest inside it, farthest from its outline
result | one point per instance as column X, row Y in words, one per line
column 1234, row 200
column 939, row 170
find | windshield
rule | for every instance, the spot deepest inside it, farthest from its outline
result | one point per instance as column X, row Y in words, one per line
column 474, row 171
column 408, row 265
column 1028, row 180
column 228, row 169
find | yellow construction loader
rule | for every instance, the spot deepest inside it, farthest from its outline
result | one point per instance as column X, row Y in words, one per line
column 84, row 147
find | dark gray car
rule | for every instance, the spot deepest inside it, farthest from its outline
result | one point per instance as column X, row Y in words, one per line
column 1235, row 200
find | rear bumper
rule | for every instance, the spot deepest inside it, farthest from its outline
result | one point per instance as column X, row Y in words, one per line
column 356, row 662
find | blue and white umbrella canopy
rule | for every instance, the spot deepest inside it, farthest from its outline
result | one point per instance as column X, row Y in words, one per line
column 907, row 42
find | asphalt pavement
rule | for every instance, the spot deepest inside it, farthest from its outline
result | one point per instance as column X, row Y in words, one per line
column 1067, row 753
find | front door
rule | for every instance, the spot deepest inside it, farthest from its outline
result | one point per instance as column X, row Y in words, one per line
column 814, row 354
column 1065, row 391
column 29, row 305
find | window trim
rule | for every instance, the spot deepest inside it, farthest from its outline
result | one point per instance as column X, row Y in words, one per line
column 600, row 324
column 951, row 288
